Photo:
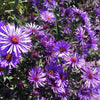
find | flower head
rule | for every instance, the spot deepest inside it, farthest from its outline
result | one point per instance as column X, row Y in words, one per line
column 64, row 94
column 61, row 48
column 83, row 16
column 61, row 77
column 92, row 41
column 51, row 69
column 87, row 93
column 54, row 86
column 80, row 34
column 32, row 28
column 91, row 76
column 14, row 39
column 49, row 3
column 97, row 9
column 9, row 59
column 37, row 77
column 74, row 60
column 47, row 16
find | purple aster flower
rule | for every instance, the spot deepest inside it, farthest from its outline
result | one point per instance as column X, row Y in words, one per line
column 61, row 48
column 87, row 93
column 92, row 41
column 48, row 41
column 35, row 2
column 61, row 77
column 65, row 94
column 62, row 10
column 91, row 76
column 97, row 9
column 9, row 59
column 54, row 86
column 69, row 13
column 49, row 3
column 14, row 39
column 32, row 28
column 80, row 32
column 39, row 5
column 83, row 16
column 47, row 16
column 78, row 11
column 74, row 60
column 52, row 69
column 37, row 77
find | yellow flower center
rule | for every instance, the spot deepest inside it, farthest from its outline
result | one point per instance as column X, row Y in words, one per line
column 97, row 9
column 8, row 57
column 49, row 0
column 51, row 72
column 48, row 17
column 83, row 36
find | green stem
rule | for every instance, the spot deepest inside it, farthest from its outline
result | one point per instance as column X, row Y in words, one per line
column 38, row 14
column 57, row 28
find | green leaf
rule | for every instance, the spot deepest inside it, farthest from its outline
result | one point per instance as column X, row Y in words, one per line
column 57, row 28
column 38, row 14
column 6, row 71
column 10, row 78
column 16, row 3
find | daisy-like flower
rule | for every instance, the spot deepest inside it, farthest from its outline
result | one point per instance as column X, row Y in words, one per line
column 83, row 16
column 52, row 69
column 47, row 16
column 69, row 13
column 54, row 86
column 65, row 94
column 87, row 93
column 9, row 59
column 91, row 76
column 13, row 39
column 74, row 60
column 97, row 9
column 61, row 48
column 37, row 77
column 49, row 3
column 92, row 41
column 48, row 41
column 80, row 32
column 61, row 76
column 32, row 28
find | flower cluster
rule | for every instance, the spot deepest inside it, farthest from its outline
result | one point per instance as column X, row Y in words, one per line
column 53, row 53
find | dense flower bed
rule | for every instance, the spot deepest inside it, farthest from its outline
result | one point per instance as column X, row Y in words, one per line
column 50, row 51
